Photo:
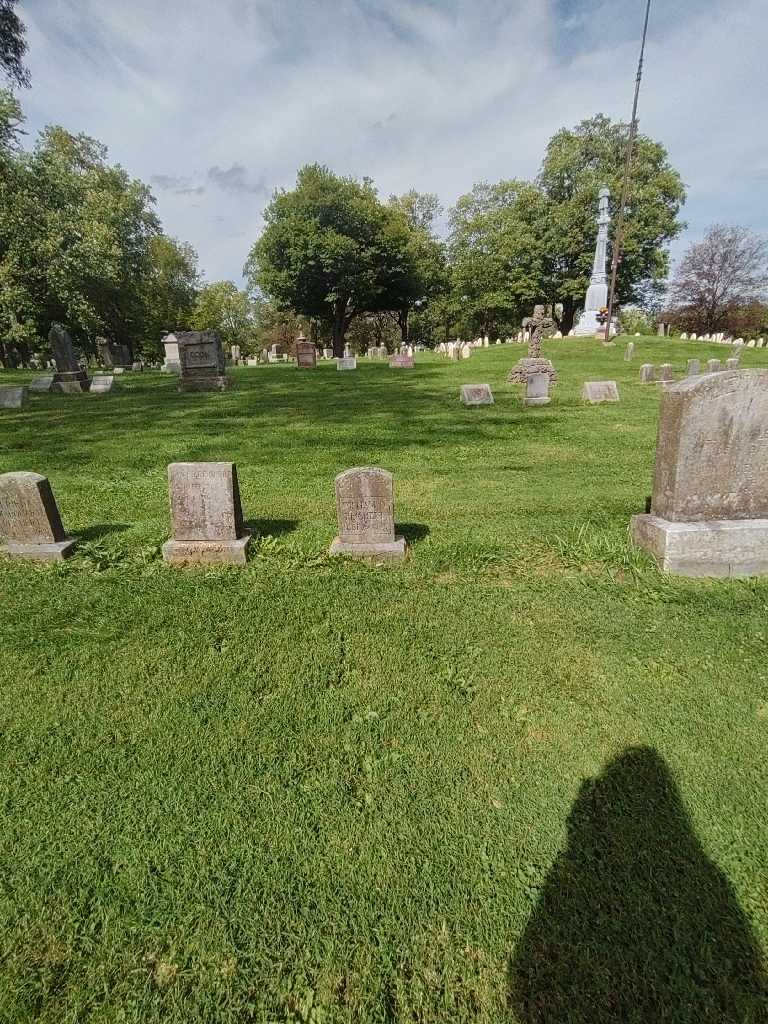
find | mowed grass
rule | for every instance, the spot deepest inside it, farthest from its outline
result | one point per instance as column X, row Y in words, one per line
column 522, row 777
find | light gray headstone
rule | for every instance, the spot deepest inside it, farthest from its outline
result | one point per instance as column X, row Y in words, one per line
column 30, row 520
column 647, row 373
column 630, row 351
column 14, row 398
column 694, row 367
column 346, row 363
column 206, row 514
column 401, row 362
column 537, row 389
column 476, row 394
column 366, row 517
column 101, row 384
column 595, row 391
column 732, row 363
column 714, row 366
column 42, row 384
column 665, row 374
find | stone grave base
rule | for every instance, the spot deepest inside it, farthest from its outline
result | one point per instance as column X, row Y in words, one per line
column 545, row 400
column 203, row 383
column 70, row 383
column 53, row 552
column 206, row 552
column 377, row 551
column 524, row 368
column 715, row 547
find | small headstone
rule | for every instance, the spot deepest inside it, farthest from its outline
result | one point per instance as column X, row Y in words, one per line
column 595, row 391
column 732, row 363
column 346, row 363
column 306, row 354
column 537, row 389
column 118, row 370
column 476, row 394
column 709, row 510
column 751, row 343
column 714, row 366
column 365, row 511
column 327, row 353
column 401, row 362
column 665, row 374
column 683, row 336
column 647, row 374
column 206, row 515
column 693, row 337
column 252, row 361
column 234, row 351
column 137, row 367
column 630, row 351
column 30, row 520
column 102, row 384
column 694, row 368
column 14, row 398
column 202, row 361
column 42, row 384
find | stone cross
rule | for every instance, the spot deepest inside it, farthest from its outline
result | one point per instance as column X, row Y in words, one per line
column 30, row 520
column 537, row 325
column 366, row 517
column 206, row 515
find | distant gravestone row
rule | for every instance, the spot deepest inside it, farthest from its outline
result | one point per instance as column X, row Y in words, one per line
column 664, row 374
column 206, row 516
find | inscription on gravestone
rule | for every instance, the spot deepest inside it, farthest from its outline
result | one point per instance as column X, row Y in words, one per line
column 401, row 362
column 202, row 363
column 206, row 514
column 595, row 391
column 366, row 518
column 306, row 354
column 476, row 394
column 14, row 398
column 30, row 520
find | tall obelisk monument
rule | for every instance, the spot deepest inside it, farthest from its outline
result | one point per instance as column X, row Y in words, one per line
column 597, row 293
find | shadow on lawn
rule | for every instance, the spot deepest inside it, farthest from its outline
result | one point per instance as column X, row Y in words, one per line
column 413, row 532
column 635, row 923
column 100, row 530
column 270, row 527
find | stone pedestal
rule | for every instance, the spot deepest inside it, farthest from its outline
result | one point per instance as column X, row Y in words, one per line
column 720, row 547
column 74, row 383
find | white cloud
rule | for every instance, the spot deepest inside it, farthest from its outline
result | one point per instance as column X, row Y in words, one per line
column 218, row 104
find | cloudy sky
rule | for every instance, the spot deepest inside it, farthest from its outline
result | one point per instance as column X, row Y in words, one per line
column 218, row 102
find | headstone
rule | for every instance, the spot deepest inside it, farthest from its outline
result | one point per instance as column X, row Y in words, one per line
column 252, row 361
column 693, row 337
column 709, row 509
column 42, row 384
column 30, row 520
column 537, row 389
column 104, row 349
column 476, row 394
column 365, row 511
column 171, row 347
column 137, row 367
column 714, row 366
column 102, row 384
column 202, row 361
column 206, row 515
column 534, row 362
column 595, row 391
column 665, row 374
column 401, row 362
column 465, row 351
column 694, row 368
column 327, row 353
column 306, row 354
column 732, row 363
column 69, row 378
column 346, row 363
column 647, row 374
column 751, row 343
column 119, row 370
column 234, row 351
column 14, row 398
column 683, row 336
column 629, row 352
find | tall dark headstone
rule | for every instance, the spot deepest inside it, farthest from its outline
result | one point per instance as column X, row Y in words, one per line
column 202, row 362
column 69, row 378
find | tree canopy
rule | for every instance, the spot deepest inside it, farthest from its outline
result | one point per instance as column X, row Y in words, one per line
column 13, row 45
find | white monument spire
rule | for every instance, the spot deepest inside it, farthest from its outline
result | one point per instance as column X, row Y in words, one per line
column 597, row 293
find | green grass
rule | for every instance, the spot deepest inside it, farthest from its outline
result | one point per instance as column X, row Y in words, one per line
column 522, row 777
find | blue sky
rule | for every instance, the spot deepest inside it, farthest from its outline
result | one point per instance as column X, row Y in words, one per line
column 218, row 103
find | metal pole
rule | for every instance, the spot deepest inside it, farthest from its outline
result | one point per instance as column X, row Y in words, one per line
column 616, row 254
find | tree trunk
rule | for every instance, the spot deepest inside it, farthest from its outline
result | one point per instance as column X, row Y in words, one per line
column 402, row 319
column 569, row 315
column 339, row 327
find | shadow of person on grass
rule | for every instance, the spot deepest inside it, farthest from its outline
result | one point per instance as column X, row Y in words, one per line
column 635, row 923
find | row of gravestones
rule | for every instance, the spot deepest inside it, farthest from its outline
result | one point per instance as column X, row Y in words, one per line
column 649, row 374
column 708, row 513
column 721, row 339
column 537, row 391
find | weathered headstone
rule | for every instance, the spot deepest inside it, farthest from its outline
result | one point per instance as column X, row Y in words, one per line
column 42, row 384
column 476, row 394
column 101, row 384
column 629, row 351
column 694, row 367
column 306, row 354
column 327, row 353
column 666, row 374
column 732, row 363
column 537, row 389
column 69, row 378
column 714, row 366
column 366, row 517
column 346, row 363
column 709, row 509
column 30, row 520
column 402, row 362
column 595, row 391
column 14, row 398
column 202, row 361
column 647, row 373
column 206, row 515
column 234, row 351
column 137, row 366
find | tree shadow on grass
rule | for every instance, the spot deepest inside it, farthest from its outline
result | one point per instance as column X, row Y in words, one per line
column 270, row 527
column 100, row 530
column 635, row 923
column 413, row 532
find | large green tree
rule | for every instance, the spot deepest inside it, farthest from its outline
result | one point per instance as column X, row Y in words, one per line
column 170, row 288
column 577, row 162
column 428, row 275
column 223, row 307
column 13, row 44
column 331, row 250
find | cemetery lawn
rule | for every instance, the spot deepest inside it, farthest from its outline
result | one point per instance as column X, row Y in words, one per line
column 522, row 777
